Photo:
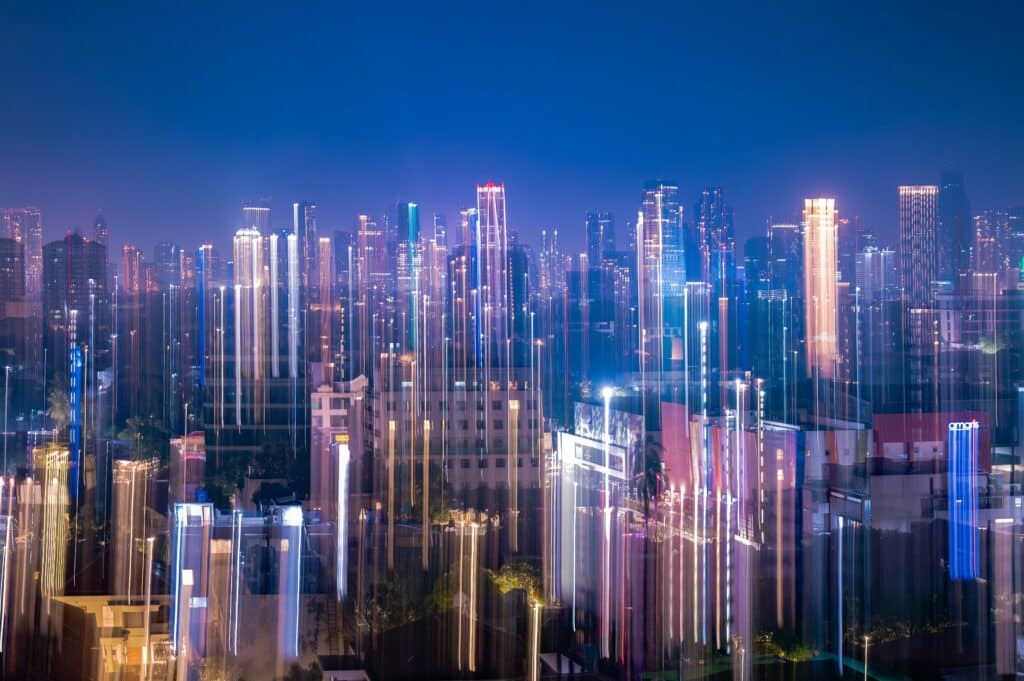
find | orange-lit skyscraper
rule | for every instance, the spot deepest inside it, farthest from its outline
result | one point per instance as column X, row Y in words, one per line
column 820, row 231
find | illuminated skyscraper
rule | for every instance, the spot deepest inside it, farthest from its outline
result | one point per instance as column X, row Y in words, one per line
column 131, row 509
column 963, row 500
column 25, row 225
column 409, row 260
column 820, row 297
column 660, row 265
column 600, row 237
column 919, row 242
column 250, row 323
column 256, row 215
column 715, row 240
column 325, row 306
column 304, row 227
column 492, row 251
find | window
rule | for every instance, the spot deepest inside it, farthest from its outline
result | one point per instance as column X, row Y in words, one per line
column 463, row 424
column 461, row 404
column 481, row 424
column 336, row 403
column 336, row 421
column 483, row 462
column 465, row 463
column 496, row 404
column 498, row 424
column 500, row 463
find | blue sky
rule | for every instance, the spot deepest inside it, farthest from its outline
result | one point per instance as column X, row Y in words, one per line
column 167, row 117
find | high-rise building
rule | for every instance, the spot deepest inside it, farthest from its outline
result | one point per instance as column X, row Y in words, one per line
column 167, row 259
column 304, row 227
column 715, row 240
column 954, row 225
column 600, row 228
column 492, row 252
column 256, row 215
column 25, row 225
column 820, row 295
column 786, row 254
column 74, row 299
column 660, row 266
column 100, row 233
column 919, row 242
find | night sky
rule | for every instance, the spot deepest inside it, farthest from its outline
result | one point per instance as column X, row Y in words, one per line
column 167, row 117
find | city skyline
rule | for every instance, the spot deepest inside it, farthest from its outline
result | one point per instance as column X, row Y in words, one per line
column 469, row 342
column 157, row 150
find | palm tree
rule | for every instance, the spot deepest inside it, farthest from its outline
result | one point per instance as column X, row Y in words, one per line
column 59, row 409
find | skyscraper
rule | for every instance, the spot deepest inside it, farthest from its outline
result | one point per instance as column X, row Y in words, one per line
column 715, row 240
column 304, row 227
column 660, row 267
column 820, row 309
column 256, row 215
column 600, row 228
column 492, row 251
column 919, row 242
column 100, row 233
column 954, row 226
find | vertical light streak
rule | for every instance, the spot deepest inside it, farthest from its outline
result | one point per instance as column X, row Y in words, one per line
column 839, row 594
column 462, row 601
column 147, row 654
column 606, row 605
column 341, row 558
column 239, row 358
column 513, row 463
column 535, row 642
column 426, row 494
column 472, row 599
column 184, row 599
column 391, row 494
column 293, row 306
column 274, row 324
column 575, row 504
column 705, row 475
column 6, row 578
column 778, row 538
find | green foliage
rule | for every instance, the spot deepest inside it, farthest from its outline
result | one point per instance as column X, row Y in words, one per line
column 59, row 408
column 518, row 575
column 442, row 597
column 148, row 437
column 394, row 605
column 783, row 645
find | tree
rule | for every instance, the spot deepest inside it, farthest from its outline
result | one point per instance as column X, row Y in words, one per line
column 148, row 437
column 59, row 408
column 270, row 491
column 518, row 575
